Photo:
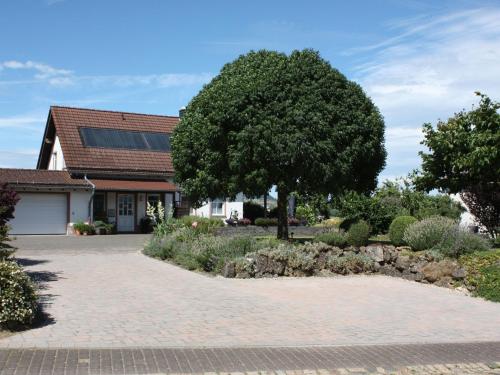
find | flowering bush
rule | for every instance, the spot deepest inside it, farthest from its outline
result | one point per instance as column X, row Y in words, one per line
column 18, row 301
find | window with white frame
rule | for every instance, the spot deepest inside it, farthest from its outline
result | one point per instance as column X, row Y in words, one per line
column 217, row 207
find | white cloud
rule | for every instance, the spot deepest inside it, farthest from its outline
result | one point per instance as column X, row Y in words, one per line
column 428, row 71
column 43, row 72
column 21, row 122
column 431, row 69
column 52, row 76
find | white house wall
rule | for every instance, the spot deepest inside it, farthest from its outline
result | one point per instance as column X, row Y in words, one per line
column 56, row 157
column 79, row 206
column 227, row 208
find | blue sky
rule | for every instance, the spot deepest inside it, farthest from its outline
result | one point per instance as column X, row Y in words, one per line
column 418, row 60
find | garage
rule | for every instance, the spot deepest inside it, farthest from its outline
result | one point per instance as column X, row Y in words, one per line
column 40, row 213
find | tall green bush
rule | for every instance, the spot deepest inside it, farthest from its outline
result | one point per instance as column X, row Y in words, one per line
column 398, row 227
column 358, row 233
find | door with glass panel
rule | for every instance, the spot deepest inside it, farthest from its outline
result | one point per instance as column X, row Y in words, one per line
column 126, row 206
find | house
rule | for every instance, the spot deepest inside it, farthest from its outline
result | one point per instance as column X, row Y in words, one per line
column 100, row 165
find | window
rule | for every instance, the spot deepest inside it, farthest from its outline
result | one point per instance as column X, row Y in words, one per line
column 125, row 139
column 217, row 207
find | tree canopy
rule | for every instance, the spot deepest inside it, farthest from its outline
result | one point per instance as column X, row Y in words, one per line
column 271, row 119
column 464, row 157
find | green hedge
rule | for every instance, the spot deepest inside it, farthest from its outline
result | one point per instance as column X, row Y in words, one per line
column 358, row 234
column 266, row 222
column 398, row 227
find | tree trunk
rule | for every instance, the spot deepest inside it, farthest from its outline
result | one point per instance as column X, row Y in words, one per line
column 265, row 204
column 282, row 215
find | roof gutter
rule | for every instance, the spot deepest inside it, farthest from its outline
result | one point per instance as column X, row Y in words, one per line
column 91, row 200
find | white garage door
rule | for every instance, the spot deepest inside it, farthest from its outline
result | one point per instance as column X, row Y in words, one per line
column 40, row 214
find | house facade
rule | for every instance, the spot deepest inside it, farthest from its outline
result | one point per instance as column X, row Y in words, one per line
column 101, row 165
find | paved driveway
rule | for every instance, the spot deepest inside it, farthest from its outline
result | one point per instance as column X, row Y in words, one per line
column 120, row 298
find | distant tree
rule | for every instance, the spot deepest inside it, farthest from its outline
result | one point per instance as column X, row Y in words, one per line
column 464, row 157
column 269, row 119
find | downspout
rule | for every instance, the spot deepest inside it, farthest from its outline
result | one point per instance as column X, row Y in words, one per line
column 91, row 200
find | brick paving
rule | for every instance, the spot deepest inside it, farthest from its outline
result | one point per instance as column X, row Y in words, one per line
column 110, row 298
column 475, row 358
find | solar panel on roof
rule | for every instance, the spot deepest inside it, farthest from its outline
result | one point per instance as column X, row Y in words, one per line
column 124, row 139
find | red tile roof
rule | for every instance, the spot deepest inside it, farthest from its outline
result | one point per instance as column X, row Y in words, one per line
column 39, row 177
column 67, row 122
column 127, row 185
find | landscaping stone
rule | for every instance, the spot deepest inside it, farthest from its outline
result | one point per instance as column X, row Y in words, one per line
column 459, row 274
column 229, row 270
column 403, row 262
column 436, row 270
column 375, row 252
column 265, row 265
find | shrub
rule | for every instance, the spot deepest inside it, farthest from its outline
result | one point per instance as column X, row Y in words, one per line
column 398, row 227
column 266, row 222
column 428, row 233
column 145, row 224
column 82, row 228
column 332, row 238
column 293, row 222
column 253, row 210
column 244, row 222
column 6, row 250
column 332, row 222
column 306, row 214
column 18, row 300
column 351, row 263
column 358, row 234
column 8, row 201
column 489, row 283
column 459, row 241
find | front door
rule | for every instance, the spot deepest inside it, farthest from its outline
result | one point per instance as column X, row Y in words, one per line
column 126, row 215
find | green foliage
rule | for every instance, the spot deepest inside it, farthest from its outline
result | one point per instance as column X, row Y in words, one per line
column 358, row 234
column 252, row 211
column 201, row 224
column 482, row 270
column 306, row 213
column 6, row 250
column 398, row 227
column 269, row 119
column 351, row 263
column 266, row 221
column 458, row 241
column 194, row 250
column 489, row 285
column 18, row 300
column 391, row 200
column 464, row 157
column 82, row 228
column 428, row 233
column 332, row 238
column 444, row 235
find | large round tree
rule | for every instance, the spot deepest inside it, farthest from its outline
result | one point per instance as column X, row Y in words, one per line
column 269, row 119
